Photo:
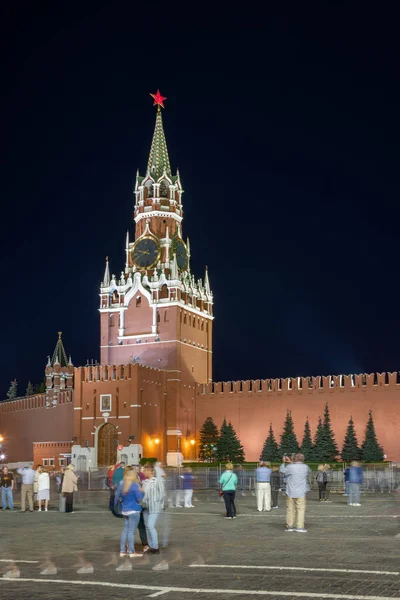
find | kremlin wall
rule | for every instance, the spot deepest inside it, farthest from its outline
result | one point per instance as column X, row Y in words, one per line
column 153, row 388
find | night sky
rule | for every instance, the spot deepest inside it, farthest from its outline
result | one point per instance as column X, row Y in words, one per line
column 285, row 128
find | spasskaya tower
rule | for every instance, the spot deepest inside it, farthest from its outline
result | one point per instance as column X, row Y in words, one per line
column 156, row 313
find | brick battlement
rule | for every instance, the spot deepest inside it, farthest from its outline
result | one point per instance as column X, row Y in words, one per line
column 98, row 373
column 330, row 383
column 32, row 402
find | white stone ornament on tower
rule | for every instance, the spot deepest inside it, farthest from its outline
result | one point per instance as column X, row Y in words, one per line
column 106, row 278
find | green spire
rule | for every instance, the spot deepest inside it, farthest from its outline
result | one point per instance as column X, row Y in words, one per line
column 59, row 355
column 158, row 159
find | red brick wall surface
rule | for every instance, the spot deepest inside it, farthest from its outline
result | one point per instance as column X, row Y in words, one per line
column 252, row 406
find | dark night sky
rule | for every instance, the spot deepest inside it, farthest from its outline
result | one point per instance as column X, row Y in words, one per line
column 285, row 128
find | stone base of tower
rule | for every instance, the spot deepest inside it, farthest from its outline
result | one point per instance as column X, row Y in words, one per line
column 174, row 459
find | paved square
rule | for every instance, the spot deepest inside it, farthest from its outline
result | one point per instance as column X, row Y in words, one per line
column 348, row 552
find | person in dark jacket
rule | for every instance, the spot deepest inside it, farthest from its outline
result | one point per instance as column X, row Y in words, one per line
column 276, row 484
column 347, row 481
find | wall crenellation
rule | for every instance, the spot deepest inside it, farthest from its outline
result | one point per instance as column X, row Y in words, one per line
column 329, row 383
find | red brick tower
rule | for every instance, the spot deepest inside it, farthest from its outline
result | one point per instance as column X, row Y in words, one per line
column 59, row 375
column 156, row 313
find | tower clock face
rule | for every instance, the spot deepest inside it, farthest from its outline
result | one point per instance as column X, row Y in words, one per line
column 146, row 252
column 181, row 255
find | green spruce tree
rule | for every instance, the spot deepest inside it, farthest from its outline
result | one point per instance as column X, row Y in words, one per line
column 229, row 447
column 12, row 392
column 307, row 444
column 29, row 389
column 270, row 449
column 208, row 440
column 371, row 451
column 289, row 444
column 350, row 448
column 330, row 446
column 318, row 454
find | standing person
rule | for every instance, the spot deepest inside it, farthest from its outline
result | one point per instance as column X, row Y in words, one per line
column 228, row 483
column 28, row 477
column 153, row 502
column 263, row 479
column 118, row 474
column 69, row 486
column 346, row 481
column 130, row 494
column 322, row 481
column 43, row 490
column 7, row 488
column 276, row 484
column 35, row 483
column 327, row 468
column 61, row 499
column 142, row 526
column 355, row 481
column 158, row 470
column 188, row 486
column 297, row 476
column 110, row 486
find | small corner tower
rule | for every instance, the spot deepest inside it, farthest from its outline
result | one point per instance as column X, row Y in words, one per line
column 59, row 374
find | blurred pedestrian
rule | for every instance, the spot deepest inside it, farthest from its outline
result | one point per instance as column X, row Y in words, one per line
column 322, row 481
column 153, row 503
column 346, row 481
column 228, row 483
column 188, row 486
column 297, row 476
column 43, row 489
column 263, row 479
column 130, row 495
column 7, row 488
column 35, row 483
column 110, row 487
column 61, row 498
column 69, row 486
column 28, row 477
column 158, row 470
column 276, row 485
column 118, row 474
column 355, row 481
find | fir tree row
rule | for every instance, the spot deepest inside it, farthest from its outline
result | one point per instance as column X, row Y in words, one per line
column 324, row 447
column 220, row 445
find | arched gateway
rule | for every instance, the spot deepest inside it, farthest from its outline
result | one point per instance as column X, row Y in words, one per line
column 107, row 445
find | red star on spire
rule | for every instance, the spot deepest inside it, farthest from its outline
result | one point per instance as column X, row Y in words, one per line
column 158, row 99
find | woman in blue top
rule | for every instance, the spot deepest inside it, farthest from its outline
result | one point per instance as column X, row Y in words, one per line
column 129, row 494
column 228, row 483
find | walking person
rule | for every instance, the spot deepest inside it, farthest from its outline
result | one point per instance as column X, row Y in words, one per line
column 69, row 486
column 346, row 481
column 35, row 484
column 322, row 481
column 7, row 489
column 263, row 480
column 297, row 476
column 28, row 477
column 188, row 486
column 118, row 474
column 61, row 498
column 43, row 489
column 228, row 483
column 355, row 481
column 153, row 503
column 129, row 494
column 109, row 485
column 276, row 484
column 142, row 526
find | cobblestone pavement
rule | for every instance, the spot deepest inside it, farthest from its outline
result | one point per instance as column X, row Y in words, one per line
column 348, row 553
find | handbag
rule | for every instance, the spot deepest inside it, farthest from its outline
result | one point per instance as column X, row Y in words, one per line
column 221, row 490
column 117, row 509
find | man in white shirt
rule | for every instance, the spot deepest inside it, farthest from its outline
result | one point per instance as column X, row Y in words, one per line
column 28, row 477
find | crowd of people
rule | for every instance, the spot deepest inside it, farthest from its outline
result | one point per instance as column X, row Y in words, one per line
column 140, row 494
column 35, row 488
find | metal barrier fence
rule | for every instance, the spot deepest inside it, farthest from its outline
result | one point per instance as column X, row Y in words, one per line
column 375, row 479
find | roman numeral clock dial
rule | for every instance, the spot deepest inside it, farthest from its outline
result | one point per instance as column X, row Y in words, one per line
column 146, row 252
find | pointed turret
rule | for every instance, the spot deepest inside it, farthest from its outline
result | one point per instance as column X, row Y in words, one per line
column 207, row 283
column 106, row 279
column 59, row 355
column 158, row 159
